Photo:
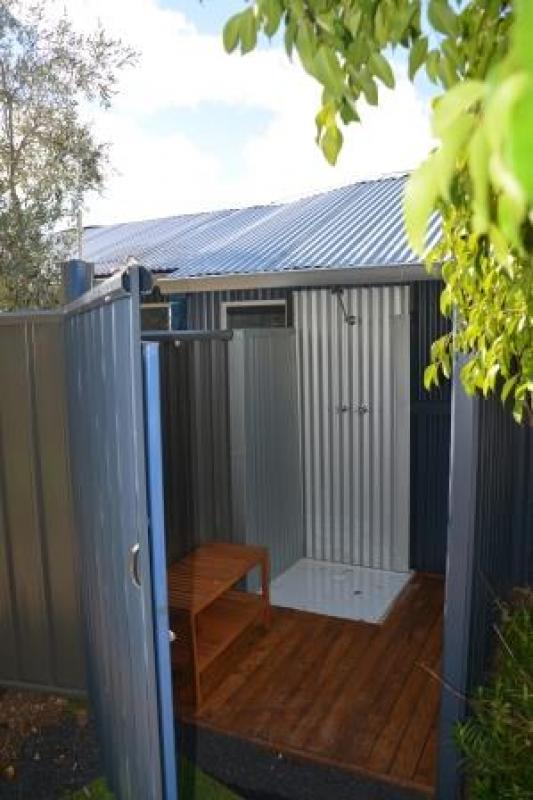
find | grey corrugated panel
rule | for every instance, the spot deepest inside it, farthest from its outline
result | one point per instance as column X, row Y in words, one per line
column 356, row 467
column 110, row 246
column 265, row 452
column 360, row 225
column 203, row 308
column 265, row 447
column 430, row 435
column 108, row 472
column 196, row 444
column 40, row 630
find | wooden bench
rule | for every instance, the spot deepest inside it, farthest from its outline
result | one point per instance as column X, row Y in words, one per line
column 207, row 613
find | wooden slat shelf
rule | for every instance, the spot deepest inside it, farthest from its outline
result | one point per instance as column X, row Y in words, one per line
column 219, row 625
column 206, row 613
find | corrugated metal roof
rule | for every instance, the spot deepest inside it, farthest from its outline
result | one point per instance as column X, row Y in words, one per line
column 360, row 225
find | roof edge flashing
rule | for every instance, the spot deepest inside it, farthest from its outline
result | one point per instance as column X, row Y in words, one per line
column 295, row 278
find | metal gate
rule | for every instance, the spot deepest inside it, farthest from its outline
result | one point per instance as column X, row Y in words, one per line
column 126, row 642
column 353, row 365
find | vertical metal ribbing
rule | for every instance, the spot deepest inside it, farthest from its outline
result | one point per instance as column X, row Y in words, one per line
column 346, row 363
column 356, row 473
column 315, row 430
column 387, row 376
column 352, row 510
column 365, row 453
column 336, row 432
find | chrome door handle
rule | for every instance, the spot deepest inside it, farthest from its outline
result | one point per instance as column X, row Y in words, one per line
column 171, row 636
column 134, row 565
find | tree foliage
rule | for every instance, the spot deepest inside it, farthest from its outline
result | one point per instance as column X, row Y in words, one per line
column 48, row 156
column 479, row 178
column 497, row 739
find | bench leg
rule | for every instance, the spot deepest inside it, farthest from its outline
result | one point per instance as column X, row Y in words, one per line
column 265, row 590
column 195, row 666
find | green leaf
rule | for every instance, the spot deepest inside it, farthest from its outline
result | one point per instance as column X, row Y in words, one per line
column 505, row 180
column 507, row 387
column 447, row 72
column 432, row 66
column 325, row 117
column 510, row 218
column 451, row 51
column 522, row 32
column 442, row 18
column 273, row 11
column 431, row 376
column 417, row 56
column 478, row 166
column 419, row 201
column 290, row 37
column 381, row 28
column 369, row 88
column 248, row 30
column 348, row 111
column 328, row 71
column 352, row 20
column 382, row 69
column 306, row 46
column 454, row 103
column 520, row 141
column 231, row 33
column 447, row 155
column 500, row 105
column 490, row 379
column 331, row 143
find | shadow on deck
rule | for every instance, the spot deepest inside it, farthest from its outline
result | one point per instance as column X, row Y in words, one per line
column 349, row 705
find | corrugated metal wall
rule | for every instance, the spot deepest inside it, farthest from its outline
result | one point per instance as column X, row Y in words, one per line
column 489, row 551
column 203, row 308
column 355, row 465
column 504, row 523
column 494, row 540
column 265, row 444
column 107, row 445
column 430, row 435
column 40, row 635
column 522, row 517
column 332, row 502
column 196, row 444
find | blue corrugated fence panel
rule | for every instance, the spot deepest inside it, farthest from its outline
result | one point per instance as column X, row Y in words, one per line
column 106, row 425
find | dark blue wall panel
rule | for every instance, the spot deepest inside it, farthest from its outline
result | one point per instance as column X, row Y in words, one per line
column 430, row 435
column 522, row 517
column 493, row 573
column 490, row 545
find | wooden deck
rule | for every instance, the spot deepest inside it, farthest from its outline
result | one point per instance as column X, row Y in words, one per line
column 345, row 694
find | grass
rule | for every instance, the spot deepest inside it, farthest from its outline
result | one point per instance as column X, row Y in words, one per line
column 97, row 790
column 195, row 785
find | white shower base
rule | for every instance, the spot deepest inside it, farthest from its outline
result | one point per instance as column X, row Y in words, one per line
column 338, row 590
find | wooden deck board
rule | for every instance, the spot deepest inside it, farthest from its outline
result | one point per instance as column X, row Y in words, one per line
column 347, row 694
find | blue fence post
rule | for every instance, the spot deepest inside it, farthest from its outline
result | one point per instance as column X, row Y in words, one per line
column 77, row 278
column 156, row 512
column 460, row 569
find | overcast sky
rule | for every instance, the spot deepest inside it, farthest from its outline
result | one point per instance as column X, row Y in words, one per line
column 194, row 128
